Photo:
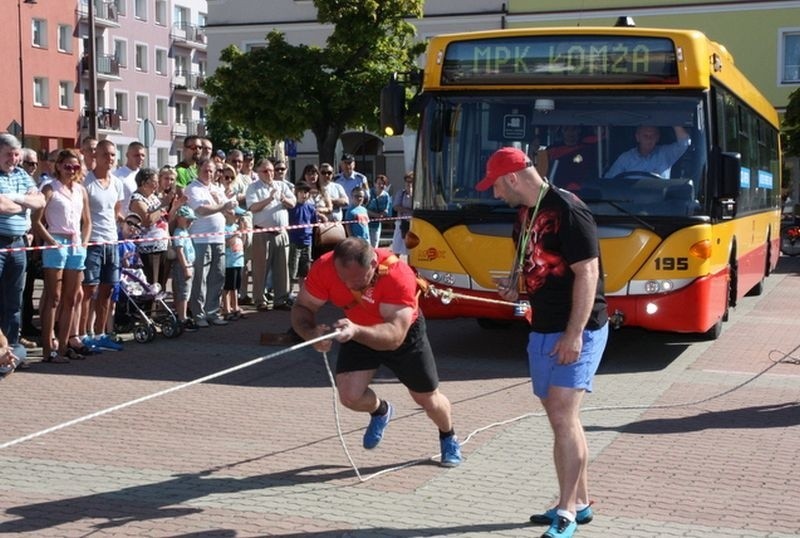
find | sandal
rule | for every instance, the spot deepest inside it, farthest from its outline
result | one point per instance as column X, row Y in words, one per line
column 54, row 357
column 74, row 354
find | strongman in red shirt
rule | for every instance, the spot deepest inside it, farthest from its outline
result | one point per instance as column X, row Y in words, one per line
column 382, row 325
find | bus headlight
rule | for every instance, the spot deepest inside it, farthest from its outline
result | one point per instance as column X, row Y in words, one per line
column 443, row 278
column 658, row 286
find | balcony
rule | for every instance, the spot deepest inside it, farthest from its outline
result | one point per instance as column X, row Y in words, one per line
column 107, row 67
column 183, row 128
column 188, row 84
column 105, row 13
column 188, row 35
column 107, row 120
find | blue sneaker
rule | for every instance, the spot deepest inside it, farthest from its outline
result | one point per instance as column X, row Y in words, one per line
column 582, row 517
column 377, row 425
column 106, row 342
column 92, row 345
column 561, row 528
column 451, row 452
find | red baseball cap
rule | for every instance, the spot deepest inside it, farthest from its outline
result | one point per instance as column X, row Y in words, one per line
column 502, row 162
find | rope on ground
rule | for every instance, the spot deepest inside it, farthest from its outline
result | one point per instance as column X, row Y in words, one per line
column 168, row 391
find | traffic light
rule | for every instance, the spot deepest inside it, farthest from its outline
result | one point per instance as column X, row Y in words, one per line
column 393, row 106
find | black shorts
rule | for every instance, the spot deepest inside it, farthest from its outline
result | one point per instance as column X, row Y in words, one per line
column 233, row 278
column 413, row 362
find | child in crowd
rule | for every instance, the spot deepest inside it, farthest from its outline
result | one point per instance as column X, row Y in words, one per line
column 304, row 214
column 357, row 214
column 379, row 207
column 182, row 265
column 234, row 262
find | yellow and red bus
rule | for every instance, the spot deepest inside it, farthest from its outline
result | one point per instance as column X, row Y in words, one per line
column 680, row 247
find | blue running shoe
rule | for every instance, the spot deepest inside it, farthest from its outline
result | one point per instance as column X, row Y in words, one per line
column 582, row 517
column 107, row 343
column 451, row 452
column 561, row 528
column 377, row 425
column 92, row 345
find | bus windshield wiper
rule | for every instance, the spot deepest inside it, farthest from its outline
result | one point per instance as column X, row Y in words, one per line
column 616, row 205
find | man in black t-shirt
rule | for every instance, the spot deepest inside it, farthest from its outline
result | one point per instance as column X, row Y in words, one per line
column 558, row 263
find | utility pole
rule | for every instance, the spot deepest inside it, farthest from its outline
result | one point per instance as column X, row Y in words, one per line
column 91, row 113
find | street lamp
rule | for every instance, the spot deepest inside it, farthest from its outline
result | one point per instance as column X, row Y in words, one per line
column 21, row 77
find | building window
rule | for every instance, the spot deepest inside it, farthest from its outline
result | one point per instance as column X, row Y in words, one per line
column 182, row 114
column 161, row 12
column 66, row 91
column 121, row 52
column 202, row 20
column 181, row 17
column 141, row 57
column 161, row 61
column 141, row 107
column 162, row 156
column 162, row 110
column 140, row 9
column 181, row 66
column 40, row 91
column 121, row 104
column 39, row 33
column 64, row 38
column 121, row 7
column 790, row 50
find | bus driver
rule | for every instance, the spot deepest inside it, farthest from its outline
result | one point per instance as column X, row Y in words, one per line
column 648, row 156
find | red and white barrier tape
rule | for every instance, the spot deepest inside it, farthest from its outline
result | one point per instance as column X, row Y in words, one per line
column 271, row 229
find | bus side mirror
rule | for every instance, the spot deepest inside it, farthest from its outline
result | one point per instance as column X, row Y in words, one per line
column 731, row 175
column 393, row 106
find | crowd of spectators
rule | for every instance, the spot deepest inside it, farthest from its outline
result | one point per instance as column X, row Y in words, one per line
column 225, row 230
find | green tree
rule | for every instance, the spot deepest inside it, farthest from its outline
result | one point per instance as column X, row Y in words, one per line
column 791, row 126
column 227, row 136
column 281, row 90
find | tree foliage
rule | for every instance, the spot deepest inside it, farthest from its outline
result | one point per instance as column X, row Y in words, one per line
column 226, row 136
column 281, row 90
column 791, row 126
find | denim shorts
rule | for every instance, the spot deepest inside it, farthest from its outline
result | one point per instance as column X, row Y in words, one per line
column 66, row 257
column 545, row 370
column 102, row 265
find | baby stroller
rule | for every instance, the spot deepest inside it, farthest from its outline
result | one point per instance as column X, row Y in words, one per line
column 137, row 297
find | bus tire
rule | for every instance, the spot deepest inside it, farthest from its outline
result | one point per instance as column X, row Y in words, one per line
column 715, row 331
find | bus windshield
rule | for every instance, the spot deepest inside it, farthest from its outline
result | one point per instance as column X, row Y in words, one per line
column 622, row 154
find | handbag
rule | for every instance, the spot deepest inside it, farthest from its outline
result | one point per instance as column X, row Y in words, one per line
column 329, row 234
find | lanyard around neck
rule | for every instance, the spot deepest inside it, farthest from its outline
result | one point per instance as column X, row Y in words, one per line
column 526, row 234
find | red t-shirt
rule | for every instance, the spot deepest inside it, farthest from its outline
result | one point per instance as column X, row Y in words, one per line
column 397, row 287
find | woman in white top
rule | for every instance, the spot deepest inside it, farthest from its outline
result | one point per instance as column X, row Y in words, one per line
column 66, row 213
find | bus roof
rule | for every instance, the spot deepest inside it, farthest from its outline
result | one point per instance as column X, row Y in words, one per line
column 695, row 60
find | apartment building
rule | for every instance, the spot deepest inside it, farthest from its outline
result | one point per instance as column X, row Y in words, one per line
column 150, row 61
column 41, row 53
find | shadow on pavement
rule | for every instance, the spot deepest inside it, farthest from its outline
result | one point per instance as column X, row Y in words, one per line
column 782, row 415
column 158, row 500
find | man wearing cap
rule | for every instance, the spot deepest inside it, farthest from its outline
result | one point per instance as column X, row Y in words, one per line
column 558, row 264
column 349, row 179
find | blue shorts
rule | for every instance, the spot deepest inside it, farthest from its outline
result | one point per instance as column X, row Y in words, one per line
column 68, row 257
column 102, row 265
column 545, row 371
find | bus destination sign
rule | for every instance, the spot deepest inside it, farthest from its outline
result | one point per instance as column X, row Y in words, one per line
column 560, row 59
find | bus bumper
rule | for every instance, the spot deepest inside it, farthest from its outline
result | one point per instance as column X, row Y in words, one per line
column 693, row 309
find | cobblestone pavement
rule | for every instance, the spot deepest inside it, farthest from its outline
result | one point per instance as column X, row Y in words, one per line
column 684, row 440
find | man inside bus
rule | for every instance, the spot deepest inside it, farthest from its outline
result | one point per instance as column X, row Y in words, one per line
column 650, row 157
column 574, row 159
